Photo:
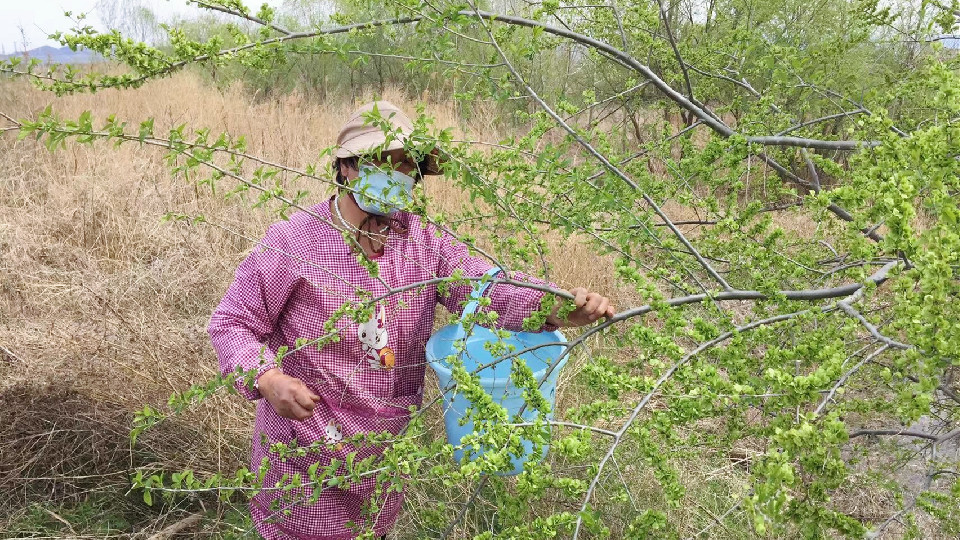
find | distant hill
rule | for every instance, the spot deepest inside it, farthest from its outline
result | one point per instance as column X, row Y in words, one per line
column 950, row 42
column 62, row 55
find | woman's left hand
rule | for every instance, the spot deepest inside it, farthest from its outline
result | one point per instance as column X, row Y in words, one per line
column 591, row 307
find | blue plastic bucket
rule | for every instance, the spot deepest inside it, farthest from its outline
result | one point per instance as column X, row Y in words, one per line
column 495, row 379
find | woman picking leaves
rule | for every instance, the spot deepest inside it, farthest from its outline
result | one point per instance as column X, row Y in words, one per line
column 366, row 379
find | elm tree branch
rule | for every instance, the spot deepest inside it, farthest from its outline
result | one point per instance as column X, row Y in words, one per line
column 847, row 308
column 184, row 147
column 715, row 123
column 241, row 14
column 790, row 176
column 570, row 425
column 827, row 118
column 812, row 169
column 656, row 386
column 938, row 439
column 928, row 480
column 847, row 375
column 676, row 53
column 878, row 531
column 877, row 278
column 837, row 95
column 603, row 159
column 640, row 225
column 646, row 151
column 630, row 90
column 832, row 207
column 616, row 16
column 460, row 67
column 466, row 506
column 743, row 83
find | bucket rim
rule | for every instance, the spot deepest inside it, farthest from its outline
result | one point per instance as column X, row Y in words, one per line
column 440, row 366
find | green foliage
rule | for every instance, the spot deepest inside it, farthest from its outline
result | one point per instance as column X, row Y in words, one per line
column 809, row 298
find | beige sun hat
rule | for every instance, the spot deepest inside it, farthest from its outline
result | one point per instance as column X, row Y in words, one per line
column 358, row 137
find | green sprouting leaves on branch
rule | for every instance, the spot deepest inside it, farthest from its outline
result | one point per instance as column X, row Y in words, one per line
column 789, row 157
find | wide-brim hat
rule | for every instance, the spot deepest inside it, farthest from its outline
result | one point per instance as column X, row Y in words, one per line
column 359, row 136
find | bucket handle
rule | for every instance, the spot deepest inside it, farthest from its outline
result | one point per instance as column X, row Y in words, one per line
column 471, row 307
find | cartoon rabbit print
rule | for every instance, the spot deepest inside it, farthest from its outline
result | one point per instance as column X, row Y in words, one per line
column 333, row 435
column 373, row 341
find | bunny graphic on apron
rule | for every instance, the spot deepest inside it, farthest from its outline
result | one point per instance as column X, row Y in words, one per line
column 373, row 341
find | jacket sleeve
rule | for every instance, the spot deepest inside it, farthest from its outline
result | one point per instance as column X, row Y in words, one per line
column 241, row 326
column 513, row 303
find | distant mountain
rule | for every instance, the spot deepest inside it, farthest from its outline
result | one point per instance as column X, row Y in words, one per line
column 950, row 42
column 63, row 55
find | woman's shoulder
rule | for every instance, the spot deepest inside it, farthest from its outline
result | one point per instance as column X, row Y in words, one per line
column 305, row 221
column 302, row 230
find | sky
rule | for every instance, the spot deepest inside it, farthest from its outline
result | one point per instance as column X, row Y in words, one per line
column 38, row 18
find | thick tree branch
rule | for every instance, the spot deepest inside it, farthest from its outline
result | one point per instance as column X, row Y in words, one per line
column 807, row 295
column 606, row 163
column 715, row 123
column 905, row 433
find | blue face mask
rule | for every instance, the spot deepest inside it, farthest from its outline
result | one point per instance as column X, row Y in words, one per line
column 382, row 192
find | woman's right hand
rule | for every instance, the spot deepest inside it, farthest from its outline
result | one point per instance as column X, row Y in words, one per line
column 289, row 396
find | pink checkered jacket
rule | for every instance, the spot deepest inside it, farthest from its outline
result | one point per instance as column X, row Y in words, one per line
column 286, row 289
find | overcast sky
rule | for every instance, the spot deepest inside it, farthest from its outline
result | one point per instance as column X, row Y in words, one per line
column 38, row 18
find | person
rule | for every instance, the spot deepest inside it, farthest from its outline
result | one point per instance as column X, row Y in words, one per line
column 366, row 379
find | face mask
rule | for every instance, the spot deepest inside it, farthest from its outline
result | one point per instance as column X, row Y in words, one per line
column 382, row 192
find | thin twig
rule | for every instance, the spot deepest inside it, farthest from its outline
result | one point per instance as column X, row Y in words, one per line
column 676, row 51
column 847, row 308
column 717, row 521
column 847, row 375
column 466, row 506
column 238, row 13
column 12, row 356
column 827, row 118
